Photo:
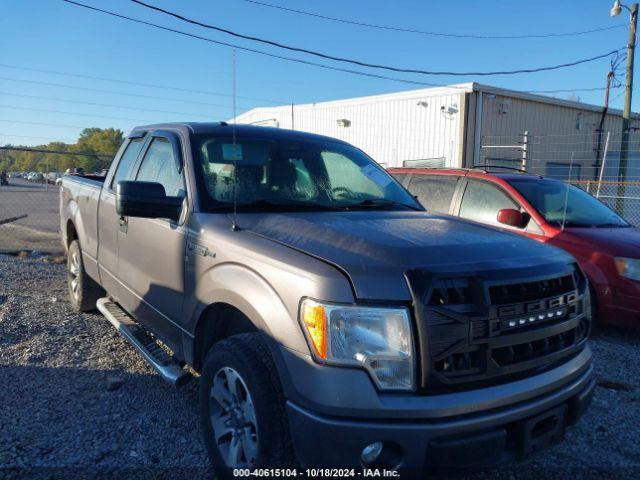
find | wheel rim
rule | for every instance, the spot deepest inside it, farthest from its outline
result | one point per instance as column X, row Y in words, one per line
column 233, row 418
column 74, row 274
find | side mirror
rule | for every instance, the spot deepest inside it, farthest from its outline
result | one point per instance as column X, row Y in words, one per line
column 512, row 217
column 146, row 200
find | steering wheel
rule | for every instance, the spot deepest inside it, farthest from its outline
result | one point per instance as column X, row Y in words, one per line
column 341, row 192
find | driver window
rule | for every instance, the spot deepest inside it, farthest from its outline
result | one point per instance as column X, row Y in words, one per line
column 160, row 165
column 346, row 179
column 482, row 201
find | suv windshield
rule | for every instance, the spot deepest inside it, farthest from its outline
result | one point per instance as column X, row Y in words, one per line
column 293, row 174
column 548, row 197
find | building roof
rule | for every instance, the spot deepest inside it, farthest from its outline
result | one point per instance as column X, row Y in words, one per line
column 448, row 90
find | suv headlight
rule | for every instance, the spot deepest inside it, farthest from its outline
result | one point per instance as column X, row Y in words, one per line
column 628, row 267
column 377, row 339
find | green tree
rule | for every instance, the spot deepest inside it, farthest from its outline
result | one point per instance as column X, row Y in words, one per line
column 91, row 140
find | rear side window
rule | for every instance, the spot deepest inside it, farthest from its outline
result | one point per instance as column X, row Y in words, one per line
column 160, row 165
column 434, row 192
column 482, row 201
column 127, row 160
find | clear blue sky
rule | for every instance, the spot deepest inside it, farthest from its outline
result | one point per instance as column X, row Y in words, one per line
column 53, row 35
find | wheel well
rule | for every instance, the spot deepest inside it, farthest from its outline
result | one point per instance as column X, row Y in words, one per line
column 72, row 234
column 216, row 323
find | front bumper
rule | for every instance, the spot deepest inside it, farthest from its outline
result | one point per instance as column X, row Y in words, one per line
column 474, row 439
column 618, row 306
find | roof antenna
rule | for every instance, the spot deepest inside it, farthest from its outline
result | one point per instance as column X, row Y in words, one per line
column 566, row 195
column 234, row 220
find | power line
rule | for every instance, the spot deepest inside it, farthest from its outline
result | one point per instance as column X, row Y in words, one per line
column 433, row 33
column 358, row 62
column 512, row 72
column 252, row 50
column 569, row 90
column 56, row 152
column 59, row 125
column 115, row 92
column 55, row 139
column 66, row 100
column 14, row 107
column 138, row 84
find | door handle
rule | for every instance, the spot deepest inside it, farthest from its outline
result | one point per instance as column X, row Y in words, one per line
column 123, row 223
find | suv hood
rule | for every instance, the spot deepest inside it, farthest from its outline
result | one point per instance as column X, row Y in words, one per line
column 618, row 242
column 376, row 248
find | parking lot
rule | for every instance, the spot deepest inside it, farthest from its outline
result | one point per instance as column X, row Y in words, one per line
column 78, row 400
column 36, row 206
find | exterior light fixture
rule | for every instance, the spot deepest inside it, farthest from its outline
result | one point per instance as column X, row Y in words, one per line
column 343, row 122
column 616, row 9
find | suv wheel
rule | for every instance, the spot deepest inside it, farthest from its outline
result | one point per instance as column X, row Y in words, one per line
column 84, row 292
column 242, row 410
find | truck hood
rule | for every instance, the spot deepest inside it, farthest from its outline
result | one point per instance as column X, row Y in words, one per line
column 376, row 248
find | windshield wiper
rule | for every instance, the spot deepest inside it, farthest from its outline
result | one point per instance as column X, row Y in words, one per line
column 288, row 204
column 380, row 203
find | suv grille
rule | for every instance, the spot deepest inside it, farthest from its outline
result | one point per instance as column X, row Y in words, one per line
column 488, row 330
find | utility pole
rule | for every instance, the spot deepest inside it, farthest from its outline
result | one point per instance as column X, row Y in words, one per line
column 626, row 113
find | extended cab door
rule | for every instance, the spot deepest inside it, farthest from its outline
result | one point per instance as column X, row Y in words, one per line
column 107, row 217
column 152, row 251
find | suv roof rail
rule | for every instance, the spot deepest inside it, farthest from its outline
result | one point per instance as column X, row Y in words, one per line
column 487, row 167
column 437, row 168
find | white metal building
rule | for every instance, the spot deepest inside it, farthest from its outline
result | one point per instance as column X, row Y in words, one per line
column 458, row 125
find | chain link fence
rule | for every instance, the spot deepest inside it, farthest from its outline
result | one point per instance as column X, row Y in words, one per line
column 29, row 217
column 590, row 161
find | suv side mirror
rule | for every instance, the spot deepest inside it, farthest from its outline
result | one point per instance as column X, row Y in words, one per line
column 513, row 217
column 146, row 200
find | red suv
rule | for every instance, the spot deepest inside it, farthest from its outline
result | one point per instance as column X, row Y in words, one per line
column 550, row 211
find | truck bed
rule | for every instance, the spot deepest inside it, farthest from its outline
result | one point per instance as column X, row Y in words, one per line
column 79, row 204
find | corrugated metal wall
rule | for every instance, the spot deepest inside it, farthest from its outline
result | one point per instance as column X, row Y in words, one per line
column 508, row 116
column 563, row 141
column 391, row 129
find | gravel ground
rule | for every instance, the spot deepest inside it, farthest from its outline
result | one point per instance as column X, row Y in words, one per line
column 60, row 419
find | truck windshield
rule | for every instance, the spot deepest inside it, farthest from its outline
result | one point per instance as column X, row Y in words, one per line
column 548, row 197
column 290, row 174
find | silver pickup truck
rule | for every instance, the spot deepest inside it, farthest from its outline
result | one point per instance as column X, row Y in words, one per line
column 332, row 321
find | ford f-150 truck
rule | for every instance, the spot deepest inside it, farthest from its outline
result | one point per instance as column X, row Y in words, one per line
column 332, row 321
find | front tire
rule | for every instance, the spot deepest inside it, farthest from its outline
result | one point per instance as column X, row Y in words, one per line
column 84, row 292
column 243, row 418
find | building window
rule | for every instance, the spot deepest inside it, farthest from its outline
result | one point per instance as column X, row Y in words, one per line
column 425, row 163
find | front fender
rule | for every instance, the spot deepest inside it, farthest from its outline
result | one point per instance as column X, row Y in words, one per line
column 249, row 292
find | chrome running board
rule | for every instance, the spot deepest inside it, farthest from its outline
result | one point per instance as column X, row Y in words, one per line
column 144, row 342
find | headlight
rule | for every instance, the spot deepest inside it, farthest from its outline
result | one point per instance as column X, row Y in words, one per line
column 376, row 339
column 628, row 267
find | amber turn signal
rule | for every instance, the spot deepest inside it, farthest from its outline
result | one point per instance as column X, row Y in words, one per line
column 315, row 321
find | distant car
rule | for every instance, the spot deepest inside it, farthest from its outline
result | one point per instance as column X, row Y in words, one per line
column 605, row 245
column 36, row 177
column 52, row 177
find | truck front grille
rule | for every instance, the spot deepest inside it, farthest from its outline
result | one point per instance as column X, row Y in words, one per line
column 490, row 330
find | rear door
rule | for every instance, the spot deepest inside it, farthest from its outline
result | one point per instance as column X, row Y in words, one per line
column 108, row 219
column 152, row 251
column 434, row 192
